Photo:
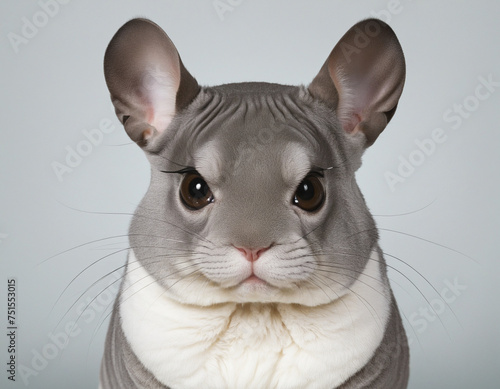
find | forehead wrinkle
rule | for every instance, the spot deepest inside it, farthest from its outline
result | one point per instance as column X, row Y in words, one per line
column 299, row 122
column 233, row 119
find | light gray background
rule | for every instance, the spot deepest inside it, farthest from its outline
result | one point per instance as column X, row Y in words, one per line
column 53, row 88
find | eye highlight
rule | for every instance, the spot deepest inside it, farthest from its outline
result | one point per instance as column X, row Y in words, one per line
column 195, row 192
column 310, row 194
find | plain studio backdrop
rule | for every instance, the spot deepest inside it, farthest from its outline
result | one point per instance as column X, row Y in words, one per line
column 431, row 179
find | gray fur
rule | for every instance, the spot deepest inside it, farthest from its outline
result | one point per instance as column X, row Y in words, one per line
column 248, row 126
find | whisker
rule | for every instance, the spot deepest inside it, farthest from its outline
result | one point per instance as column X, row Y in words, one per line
column 81, row 272
column 81, row 245
column 375, row 279
column 112, row 237
column 119, row 304
column 105, row 276
column 408, row 213
column 431, row 242
column 136, row 215
column 107, row 256
column 407, row 278
column 427, row 282
column 310, row 232
column 360, row 298
column 366, row 275
column 338, row 297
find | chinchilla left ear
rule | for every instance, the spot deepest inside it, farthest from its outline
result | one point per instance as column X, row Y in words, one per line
column 146, row 78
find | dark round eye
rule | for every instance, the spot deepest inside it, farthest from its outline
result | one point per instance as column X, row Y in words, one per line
column 310, row 194
column 194, row 192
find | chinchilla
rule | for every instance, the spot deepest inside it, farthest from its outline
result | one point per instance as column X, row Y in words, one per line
column 254, row 259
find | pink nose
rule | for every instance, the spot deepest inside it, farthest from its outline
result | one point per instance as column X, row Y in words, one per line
column 252, row 254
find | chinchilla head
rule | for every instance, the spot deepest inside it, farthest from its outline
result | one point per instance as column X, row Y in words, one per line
column 253, row 195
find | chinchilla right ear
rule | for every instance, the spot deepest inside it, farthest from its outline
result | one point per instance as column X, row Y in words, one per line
column 146, row 78
column 363, row 78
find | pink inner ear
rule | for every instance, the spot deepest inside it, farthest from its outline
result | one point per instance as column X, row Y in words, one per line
column 369, row 82
column 147, row 133
column 350, row 125
column 143, row 72
column 160, row 93
column 150, row 114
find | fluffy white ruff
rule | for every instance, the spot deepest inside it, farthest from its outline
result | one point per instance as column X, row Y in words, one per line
column 254, row 345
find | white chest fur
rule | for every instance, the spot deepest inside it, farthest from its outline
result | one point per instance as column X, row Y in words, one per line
column 253, row 346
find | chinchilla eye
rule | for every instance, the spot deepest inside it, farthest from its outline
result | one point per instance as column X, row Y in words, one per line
column 310, row 194
column 195, row 192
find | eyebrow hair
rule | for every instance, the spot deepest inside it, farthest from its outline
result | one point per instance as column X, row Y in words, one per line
column 187, row 169
column 321, row 169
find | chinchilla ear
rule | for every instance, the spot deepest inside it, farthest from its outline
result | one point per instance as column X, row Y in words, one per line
column 363, row 78
column 146, row 78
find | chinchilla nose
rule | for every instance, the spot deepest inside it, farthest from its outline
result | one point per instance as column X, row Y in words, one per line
column 252, row 255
